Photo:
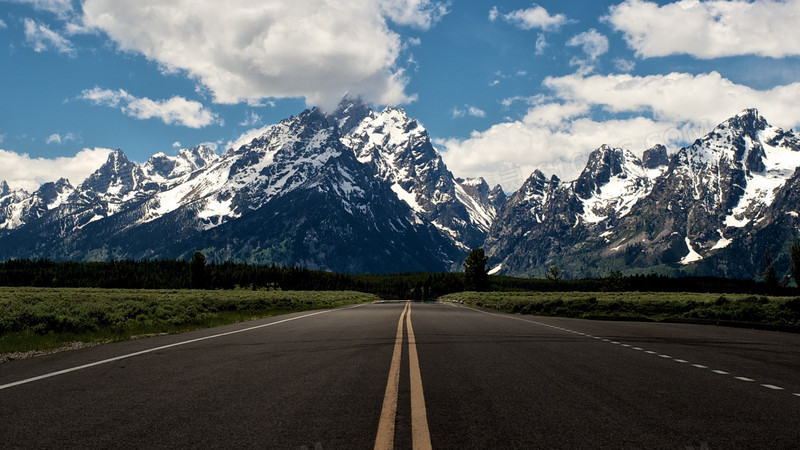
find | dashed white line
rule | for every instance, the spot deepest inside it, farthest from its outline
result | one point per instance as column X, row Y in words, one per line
column 650, row 352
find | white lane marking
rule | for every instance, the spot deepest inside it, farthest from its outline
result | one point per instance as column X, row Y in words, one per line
column 163, row 347
column 682, row 361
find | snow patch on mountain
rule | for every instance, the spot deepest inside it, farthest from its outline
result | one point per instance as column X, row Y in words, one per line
column 780, row 163
column 692, row 256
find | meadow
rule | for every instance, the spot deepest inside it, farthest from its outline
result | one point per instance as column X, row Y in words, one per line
column 46, row 318
column 729, row 309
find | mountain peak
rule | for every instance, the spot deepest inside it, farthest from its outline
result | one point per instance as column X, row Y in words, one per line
column 350, row 112
column 749, row 121
column 604, row 163
column 655, row 157
column 4, row 189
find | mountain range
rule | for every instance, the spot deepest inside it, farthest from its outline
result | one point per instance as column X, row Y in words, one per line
column 357, row 190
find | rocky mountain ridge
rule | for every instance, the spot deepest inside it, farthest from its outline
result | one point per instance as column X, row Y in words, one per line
column 357, row 190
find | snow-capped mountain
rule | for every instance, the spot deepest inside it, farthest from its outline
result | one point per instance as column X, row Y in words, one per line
column 294, row 195
column 357, row 190
column 623, row 213
column 399, row 151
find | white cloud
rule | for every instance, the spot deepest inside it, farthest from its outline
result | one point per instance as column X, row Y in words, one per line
column 176, row 110
column 2, row 24
column 593, row 44
column 43, row 38
column 176, row 144
column 56, row 138
column 468, row 111
column 624, row 65
column 251, row 50
column 419, row 13
column 23, row 172
column 559, row 130
column 252, row 119
column 709, row 29
column 535, row 17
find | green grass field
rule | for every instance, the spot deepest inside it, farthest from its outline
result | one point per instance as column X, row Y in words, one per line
column 657, row 306
column 44, row 318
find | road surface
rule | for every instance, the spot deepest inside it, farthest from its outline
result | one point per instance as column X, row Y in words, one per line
column 413, row 375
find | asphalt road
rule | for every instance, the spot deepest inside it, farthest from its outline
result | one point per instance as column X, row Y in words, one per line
column 481, row 380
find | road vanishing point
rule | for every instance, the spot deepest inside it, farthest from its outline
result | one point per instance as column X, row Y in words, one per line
column 409, row 375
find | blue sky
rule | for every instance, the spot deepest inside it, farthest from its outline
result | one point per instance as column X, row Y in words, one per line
column 503, row 87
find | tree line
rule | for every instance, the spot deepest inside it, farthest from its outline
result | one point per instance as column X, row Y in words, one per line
column 198, row 274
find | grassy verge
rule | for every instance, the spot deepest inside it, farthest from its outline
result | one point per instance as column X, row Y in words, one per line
column 43, row 318
column 781, row 312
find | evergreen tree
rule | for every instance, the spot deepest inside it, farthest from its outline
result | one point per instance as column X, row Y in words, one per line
column 796, row 263
column 554, row 274
column 198, row 265
column 476, row 276
column 770, row 277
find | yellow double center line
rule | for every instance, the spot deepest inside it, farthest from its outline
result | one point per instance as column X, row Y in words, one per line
column 420, row 435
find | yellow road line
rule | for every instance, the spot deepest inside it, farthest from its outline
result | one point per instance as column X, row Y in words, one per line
column 385, row 438
column 420, row 434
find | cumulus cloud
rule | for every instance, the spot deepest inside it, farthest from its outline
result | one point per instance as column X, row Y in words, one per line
column 709, row 29
column 593, row 44
column 42, row 38
column 250, row 50
column 176, row 144
column 23, row 172
column 560, row 129
column 535, row 17
column 2, row 24
column 176, row 110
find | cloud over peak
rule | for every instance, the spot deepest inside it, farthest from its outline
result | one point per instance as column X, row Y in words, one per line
column 251, row 50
